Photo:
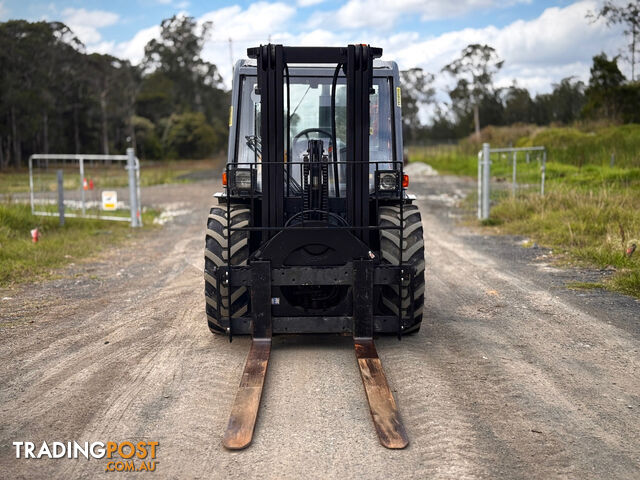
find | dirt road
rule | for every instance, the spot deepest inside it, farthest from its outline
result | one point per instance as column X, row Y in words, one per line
column 512, row 375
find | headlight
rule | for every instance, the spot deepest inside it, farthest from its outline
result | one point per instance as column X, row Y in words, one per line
column 387, row 180
column 241, row 180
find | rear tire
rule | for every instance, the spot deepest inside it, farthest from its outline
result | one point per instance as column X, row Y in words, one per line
column 412, row 253
column 215, row 255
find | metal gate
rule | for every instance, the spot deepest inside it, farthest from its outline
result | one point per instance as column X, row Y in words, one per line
column 507, row 161
column 105, row 187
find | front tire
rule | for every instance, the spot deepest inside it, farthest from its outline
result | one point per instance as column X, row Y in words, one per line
column 216, row 253
column 412, row 248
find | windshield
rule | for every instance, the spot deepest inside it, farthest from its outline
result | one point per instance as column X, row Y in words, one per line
column 310, row 107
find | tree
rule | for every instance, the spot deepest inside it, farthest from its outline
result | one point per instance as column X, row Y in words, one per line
column 190, row 136
column 417, row 91
column 628, row 15
column 518, row 106
column 155, row 99
column 567, row 99
column 474, row 70
column 564, row 104
column 606, row 78
column 147, row 141
column 36, row 60
column 179, row 81
column 605, row 73
column 113, row 84
column 602, row 95
column 177, row 54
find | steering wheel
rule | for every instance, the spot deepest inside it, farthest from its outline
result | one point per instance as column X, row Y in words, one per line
column 306, row 133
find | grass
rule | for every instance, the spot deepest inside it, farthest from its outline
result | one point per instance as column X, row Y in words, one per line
column 584, row 286
column 579, row 145
column 21, row 260
column 589, row 215
column 590, row 227
column 591, row 146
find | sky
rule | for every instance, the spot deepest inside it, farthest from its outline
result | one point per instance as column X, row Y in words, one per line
column 540, row 41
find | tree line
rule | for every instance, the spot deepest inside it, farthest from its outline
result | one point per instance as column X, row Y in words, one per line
column 475, row 103
column 54, row 97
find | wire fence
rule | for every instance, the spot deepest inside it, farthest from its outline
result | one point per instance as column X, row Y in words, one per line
column 509, row 172
column 105, row 187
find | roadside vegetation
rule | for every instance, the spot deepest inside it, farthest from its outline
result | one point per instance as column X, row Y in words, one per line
column 21, row 260
column 590, row 214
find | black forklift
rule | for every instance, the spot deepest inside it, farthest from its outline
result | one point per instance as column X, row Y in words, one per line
column 315, row 231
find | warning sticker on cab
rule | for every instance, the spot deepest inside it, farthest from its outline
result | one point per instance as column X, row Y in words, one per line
column 398, row 97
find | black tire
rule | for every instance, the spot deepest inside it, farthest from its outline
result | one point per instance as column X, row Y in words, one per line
column 412, row 253
column 215, row 255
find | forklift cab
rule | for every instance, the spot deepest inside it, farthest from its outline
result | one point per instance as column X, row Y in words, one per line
column 308, row 99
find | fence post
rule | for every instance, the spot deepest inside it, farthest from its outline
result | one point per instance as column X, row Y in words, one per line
column 138, row 196
column 31, row 193
column 486, row 179
column 133, row 189
column 82, row 192
column 480, row 185
column 544, row 171
column 513, row 180
column 61, row 197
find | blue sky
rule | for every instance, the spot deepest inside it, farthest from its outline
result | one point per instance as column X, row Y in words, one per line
column 541, row 41
column 137, row 14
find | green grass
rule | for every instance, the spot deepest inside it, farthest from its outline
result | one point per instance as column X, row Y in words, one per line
column 584, row 286
column 21, row 260
column 590, row 226
column 450, row 160
column 591, row 146
column 447, row 159
column 579, row 145
column 590, row 213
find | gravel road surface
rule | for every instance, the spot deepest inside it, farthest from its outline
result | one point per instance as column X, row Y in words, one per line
column 512, row 375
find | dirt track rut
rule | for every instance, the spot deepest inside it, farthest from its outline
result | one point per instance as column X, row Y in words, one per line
column 511, row 376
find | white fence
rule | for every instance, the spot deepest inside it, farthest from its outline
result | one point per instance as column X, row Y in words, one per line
column 77, row 186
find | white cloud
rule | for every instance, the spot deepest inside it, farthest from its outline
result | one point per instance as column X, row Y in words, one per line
column 133, row 49
column 383, row 14
column 4, row 11
column 559, row 43
column 246, row 28
column 308, row 3
column 182, row 4
column 86, row 23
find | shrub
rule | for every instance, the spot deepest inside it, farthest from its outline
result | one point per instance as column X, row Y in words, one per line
column 190, row 136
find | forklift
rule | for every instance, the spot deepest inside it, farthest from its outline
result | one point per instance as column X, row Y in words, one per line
column 315, row 231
